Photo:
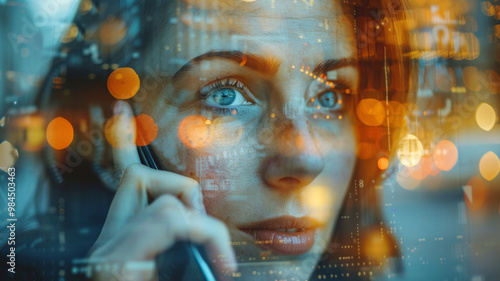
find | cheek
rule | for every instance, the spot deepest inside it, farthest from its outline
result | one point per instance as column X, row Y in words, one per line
column 219, row 156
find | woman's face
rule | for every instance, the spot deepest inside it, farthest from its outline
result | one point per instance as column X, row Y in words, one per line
column 256, row 107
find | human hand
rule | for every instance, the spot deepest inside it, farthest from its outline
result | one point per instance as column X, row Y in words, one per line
column 151, row 211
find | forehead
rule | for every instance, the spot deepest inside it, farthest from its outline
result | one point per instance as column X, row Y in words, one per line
column 300, row 30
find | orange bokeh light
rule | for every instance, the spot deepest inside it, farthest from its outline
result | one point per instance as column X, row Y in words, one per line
column 371, row 112
column 489, row 166
column 383, row 163
column 59, row 133
column 445, row 155
column 194, row 132
column 120, row 131
column 147, row 129
column 123, row 83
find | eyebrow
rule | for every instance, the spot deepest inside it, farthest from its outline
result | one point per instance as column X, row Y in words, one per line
column 268, row 66
column 265, row 65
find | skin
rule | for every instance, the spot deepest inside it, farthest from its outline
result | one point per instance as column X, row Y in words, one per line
column 273, row 155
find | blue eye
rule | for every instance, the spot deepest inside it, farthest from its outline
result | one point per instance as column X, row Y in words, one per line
column 329, row 99
column 224, row 96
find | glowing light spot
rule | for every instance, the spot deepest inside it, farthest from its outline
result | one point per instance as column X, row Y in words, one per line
column 59, row 133
column 318, row 200
column 471, row 78
column 120, row 131
column 208, row 122
column 410, row 150
column 319, row 40
column 31, row 132
column 273, row 115
column 293, row 66
column 147, row 130
column 445, row 155
column 383, row 163
column 71, row 34
column 371, row 112
column 312, row 99
column 376, row 247
column 243, row 61
column 318, row 107
column 347, row 91
column 112, row 31
column 8, row 155
column 485, row 116
column 193, row 131
column 123, row 83
column 489, row 166
column 340, row 117
column 315, row 116
column 427, row 164
column 234, row 112
column 475, row 193
column 328, row 117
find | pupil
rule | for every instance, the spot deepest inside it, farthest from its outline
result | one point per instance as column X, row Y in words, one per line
column 327, row 100
column 224, row 96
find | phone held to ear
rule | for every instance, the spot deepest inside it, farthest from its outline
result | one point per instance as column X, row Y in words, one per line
column 183, row 261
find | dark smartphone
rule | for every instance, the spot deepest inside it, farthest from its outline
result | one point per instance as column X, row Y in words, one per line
column 184, row 261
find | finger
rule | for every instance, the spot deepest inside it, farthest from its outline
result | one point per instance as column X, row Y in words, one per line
column 120, row 131
column 163, row 223
column 157, row 183
column 140, row 182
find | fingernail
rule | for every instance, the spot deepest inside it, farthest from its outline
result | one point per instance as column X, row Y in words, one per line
column 199, row 204
column 118, row 107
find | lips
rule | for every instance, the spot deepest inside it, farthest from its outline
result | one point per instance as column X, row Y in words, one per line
column 286, row 235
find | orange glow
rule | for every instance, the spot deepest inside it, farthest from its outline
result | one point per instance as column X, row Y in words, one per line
column 489, row 166
column 112, row 31
column 31, row 132
column 120, row 131
column 375, row 246
column 486, row 116
column 429, row 166
column 371, row 112
column 243, row 61
column 8, row 155
column 471, row 78
column 418, row 172
column 445, row 155
column 194, row 132
column 147, row 130
column 475, row 193
column 383, row 163
column 123, row 83
column 318, row 200
column 59, row 133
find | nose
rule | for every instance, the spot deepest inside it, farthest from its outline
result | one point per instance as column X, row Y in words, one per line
column 295, row 159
